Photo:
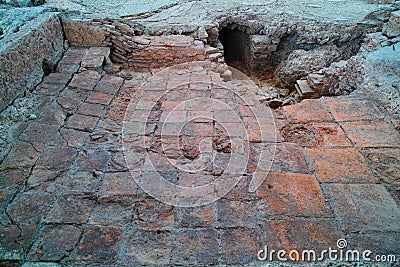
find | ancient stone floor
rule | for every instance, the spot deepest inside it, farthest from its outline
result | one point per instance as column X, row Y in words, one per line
column 179, row 168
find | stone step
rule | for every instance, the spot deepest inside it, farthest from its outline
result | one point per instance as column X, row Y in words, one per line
column 305, row 91
column 215, row 56
column 211, row 50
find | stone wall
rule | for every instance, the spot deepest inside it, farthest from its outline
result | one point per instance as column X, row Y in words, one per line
column 22, row 55
column 130, row 47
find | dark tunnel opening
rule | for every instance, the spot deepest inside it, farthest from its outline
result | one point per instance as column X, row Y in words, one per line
column 237, row 47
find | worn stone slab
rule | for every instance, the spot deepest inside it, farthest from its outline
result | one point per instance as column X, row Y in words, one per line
column 345, row 165
column 359, row 205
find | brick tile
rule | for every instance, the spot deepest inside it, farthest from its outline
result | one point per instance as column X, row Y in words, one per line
column 194, row 179
column 57, row 157
column 95, row 110
column 241, row 190
column 58, row 242
column 86, row 80
column 233, row 213
column 39, row 133
column 198, row 129
column 372, row 134
column 173, row 116
column 70, row 209
column 109, row 84
column 48, row 89
column 303, row 234
column 359, row 206
column 386, row 164
column 173, row 105
column 198, row 217
column 99, row 98
column 152, row 214
column 118, row 184
column 29, row 208
column 352, row 109
column 58, row 78
column 99, row 244
column 308, row 110
column 110, row 213
column 22, row 154
column 13, row 178
column 52, row 114
column 293, row 195
column 195, row 247
column 82, row 122
column 227, row 116
column 345, row 165
column 74, row 138
column 285, row 157
column 75, row 182
column 148, row 247
column 240, row 246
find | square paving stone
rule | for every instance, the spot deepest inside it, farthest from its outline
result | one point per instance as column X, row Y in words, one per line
column 284, row 157
column 74, row 138
column 58, row 78
column 309, row 110
column 48, row 89
column 386, row 164
column 109, row 213
column 143, row 248
column 56, row 158
column 99, row 244
column 118, row 184
column 75, row 182
column 95, row 110
column 292, row 195
column 353, row 109
column 22, row 154
column 302, row 234
column 345, row 165
column 86, row 80
column 29, row 208
column 240, row 246
column 364, row 207
column 39, row 133
column 195, row 247
column 231, row 213
column 153, row 215
column 372, row 134
column 198, row 217
column 82, row 122
column 70, row 209
column 13, row 178
column 57, row 242
column 99, row 98
column 109, row 84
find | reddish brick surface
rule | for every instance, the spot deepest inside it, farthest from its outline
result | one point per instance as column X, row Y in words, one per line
column 293, row 195
column 345, row 165
column 116, row 170
column 308, row 111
